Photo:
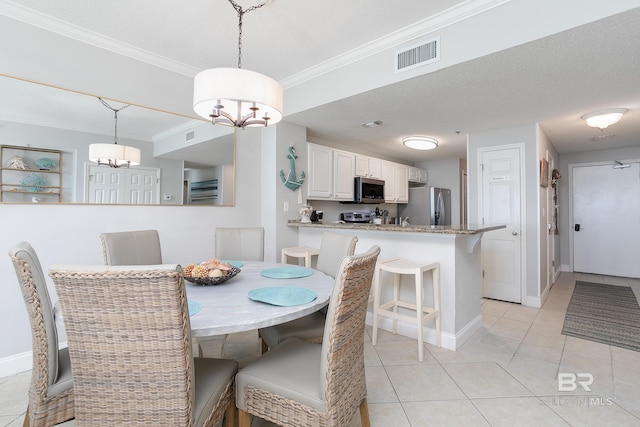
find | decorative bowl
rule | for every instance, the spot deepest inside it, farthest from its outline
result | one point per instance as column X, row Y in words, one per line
column 210, row 281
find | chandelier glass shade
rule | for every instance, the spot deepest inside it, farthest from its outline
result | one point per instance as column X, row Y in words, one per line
column 420, row 142
column 237, row 97
column 605, row 118
column 114, row 155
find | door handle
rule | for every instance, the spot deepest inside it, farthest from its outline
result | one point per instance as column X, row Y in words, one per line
column 576, row 227
column 515, row 233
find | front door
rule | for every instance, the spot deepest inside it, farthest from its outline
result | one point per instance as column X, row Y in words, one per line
column 501, row 196
column 606, row 219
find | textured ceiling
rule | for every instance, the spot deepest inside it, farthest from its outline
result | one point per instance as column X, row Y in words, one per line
column 552, row 80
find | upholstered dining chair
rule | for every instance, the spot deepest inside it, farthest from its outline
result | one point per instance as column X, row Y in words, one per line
column 129, row 341
column 307, row 384
column 239, row 243
column 333, row 248
column 140, row 247
column 51, row 389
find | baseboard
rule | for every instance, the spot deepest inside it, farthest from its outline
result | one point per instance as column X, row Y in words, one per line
column 529, row 301
column 447, row 340
column 15, row 364
column 566, row 267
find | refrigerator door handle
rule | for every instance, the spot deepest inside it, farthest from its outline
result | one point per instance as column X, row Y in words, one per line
column 441, row 210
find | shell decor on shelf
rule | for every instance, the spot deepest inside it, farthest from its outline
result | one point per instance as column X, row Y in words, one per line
column 16, row 162
column 45, row 163
column 34, row 182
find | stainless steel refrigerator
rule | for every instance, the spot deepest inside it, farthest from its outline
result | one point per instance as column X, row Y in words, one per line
column 427, row 206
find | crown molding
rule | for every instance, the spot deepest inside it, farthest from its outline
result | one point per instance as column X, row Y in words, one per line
column 453, row 15
column 57, row 26
column 421, row 28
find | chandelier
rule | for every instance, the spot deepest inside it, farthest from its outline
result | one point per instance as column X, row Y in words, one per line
column 237, row 97
column 114, row 155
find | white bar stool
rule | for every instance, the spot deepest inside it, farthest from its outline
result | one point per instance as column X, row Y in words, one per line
column 299, row 252
column 389, row 309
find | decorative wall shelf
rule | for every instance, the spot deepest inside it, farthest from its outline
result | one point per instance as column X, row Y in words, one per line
column 29, row 174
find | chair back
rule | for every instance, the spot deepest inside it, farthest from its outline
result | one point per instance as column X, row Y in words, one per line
column 333, row 248
column 140, row 247
column 51, row 392
column 342, row 361
column 129, row 341
column 239, row 244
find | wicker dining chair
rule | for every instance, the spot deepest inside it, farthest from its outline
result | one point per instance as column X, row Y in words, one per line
column 139, row 247
column 305, row 384
column 51, row 389
column 129, row 340
column 333, row 248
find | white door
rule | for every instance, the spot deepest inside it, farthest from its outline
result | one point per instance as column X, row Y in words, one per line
column 606, row 219
column 501, row 196
column 122, row 186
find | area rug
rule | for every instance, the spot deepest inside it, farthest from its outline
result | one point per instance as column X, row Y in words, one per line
column 606, row 314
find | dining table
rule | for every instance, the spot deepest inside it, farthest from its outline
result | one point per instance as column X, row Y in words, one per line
column 262, row 294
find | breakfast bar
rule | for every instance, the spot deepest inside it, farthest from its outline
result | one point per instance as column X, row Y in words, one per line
column 456, row 248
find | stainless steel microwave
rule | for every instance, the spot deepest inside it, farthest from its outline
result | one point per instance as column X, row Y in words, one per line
column 367, row 190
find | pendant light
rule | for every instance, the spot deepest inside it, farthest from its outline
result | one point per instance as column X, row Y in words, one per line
column 237, row 97
column 114, row 155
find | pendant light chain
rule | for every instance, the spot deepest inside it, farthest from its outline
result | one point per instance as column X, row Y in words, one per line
column 241, row 12
column 115, row 113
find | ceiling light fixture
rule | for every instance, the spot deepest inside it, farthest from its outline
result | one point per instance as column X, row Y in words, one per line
column 114, row 155
column 237, row 97
column 420, row 142
column 605, row 118
column 373, row 124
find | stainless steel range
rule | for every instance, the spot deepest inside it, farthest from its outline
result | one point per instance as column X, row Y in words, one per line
column 356, row 216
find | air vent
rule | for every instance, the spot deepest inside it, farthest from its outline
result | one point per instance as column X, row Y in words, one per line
column 189, row 136
column 418, row 55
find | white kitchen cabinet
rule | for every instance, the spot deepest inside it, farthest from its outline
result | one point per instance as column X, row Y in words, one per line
column 330, row 173
column 418, row 175
column 396, row 182
column 368, row 167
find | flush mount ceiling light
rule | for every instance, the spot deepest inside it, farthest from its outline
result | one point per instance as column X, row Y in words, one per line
column 420, row 142
column 237, row 97
column 114, row 155
column 605, row 118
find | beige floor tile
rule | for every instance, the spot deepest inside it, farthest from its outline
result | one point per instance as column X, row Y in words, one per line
column 549, row 354
column 485, row 380
column 15, row 397
column 459, row 413
column 585, row 348
column 537, row 375
column 387, row 414
column 515, row 412
column 371, row 357
column 627, row 395
column 592, row 411
column 379, row 387
column 423, row 382
column 521, row 312
column 401, row 353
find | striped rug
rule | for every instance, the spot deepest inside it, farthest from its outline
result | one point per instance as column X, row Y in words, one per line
column 606, row 314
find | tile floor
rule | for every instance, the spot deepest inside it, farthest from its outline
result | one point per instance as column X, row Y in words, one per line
column 505, row 375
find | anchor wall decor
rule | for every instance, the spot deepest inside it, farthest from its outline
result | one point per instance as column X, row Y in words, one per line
column 290, row 180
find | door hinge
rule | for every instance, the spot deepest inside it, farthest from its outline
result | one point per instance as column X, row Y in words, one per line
column 483, row 274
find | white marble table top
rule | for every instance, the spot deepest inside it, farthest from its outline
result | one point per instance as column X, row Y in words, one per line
column 226, row 308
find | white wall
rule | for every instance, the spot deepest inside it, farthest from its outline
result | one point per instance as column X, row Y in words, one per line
column 69, row 233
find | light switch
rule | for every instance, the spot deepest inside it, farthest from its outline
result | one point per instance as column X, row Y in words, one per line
column 286, row 206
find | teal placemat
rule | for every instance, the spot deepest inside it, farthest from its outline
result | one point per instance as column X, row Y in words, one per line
column 285, row 296
column 194, row 307
column 286, row 272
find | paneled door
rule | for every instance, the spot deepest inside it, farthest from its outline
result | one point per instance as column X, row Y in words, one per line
column 606, row 219
column 500, row 199
column 139, row 186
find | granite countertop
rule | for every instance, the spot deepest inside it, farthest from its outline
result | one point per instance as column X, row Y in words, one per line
column 433, row 229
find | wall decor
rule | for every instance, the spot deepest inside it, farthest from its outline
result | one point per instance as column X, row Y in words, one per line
column 544, row 173
column 290, row 180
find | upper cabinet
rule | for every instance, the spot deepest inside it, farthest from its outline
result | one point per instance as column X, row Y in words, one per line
column 417, row 175
column 330, row 173
column 396, row 182
column 368, row 167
